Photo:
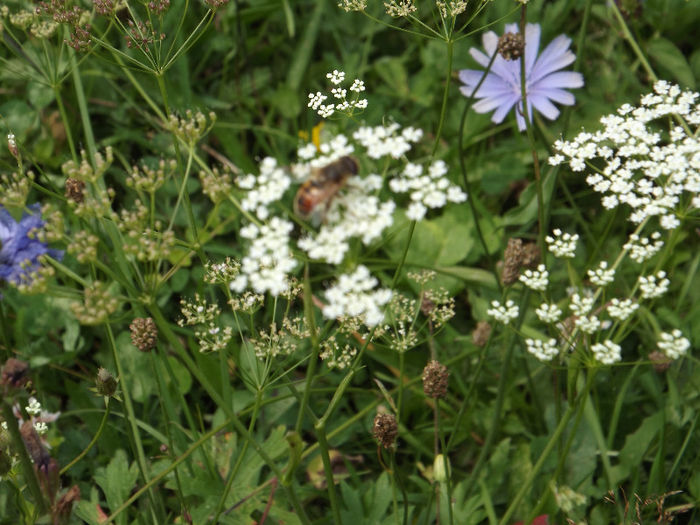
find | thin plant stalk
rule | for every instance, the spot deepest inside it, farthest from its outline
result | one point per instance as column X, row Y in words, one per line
column 97, row 435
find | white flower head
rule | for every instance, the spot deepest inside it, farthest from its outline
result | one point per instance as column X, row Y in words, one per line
column 503, row 313
column 542, row 350
column 562, row 245
column 607, row 352
column 536, row 279
column 356, row 295
column 674, row 345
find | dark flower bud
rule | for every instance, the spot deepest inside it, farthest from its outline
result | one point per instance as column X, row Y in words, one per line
column 511, row 46
column 481, row 334
column 144, row 333
column 75, row 189
column 660, row 361
column 435, row 376
column 512, row 261
column 385, row 429
column 105, row 383
column 14, row 373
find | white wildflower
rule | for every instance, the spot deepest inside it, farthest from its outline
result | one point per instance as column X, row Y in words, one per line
column 548, row 313
column 621, row 309
column 607, row 352
column 674, row 344
column 653, row 286
column 504, row 313
column 602, row 276
column 354, row 295
column 536, row 280
column 644, row 248
column 562, row 244
column 542, row 350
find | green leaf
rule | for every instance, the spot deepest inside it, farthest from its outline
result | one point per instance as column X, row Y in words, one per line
column 116, row 481
column 671, row 61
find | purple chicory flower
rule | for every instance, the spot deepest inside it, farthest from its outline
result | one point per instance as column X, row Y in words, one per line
column 544, row 82
column 19, row 252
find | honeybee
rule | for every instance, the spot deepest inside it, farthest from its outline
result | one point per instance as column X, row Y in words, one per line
column 323, row 185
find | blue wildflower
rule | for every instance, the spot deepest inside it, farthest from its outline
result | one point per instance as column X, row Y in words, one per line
column 19, row 252
column 544, row 83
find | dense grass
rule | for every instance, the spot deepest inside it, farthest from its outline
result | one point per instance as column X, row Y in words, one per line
column 266, row 411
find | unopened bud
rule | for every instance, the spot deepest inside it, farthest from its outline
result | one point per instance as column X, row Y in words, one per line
column 440, row 473
column 105, row 383
column 660, row 361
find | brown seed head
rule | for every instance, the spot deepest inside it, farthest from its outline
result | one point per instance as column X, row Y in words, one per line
column 511, row 46
column 144, row 333
column 35, row 448
column 435, row 376
column 531, row 255
column 481, row 334
column 385, row 429
column 512, row 260
column 75, row 190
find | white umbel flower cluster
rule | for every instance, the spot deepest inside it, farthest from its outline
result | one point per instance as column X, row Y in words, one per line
column 339, row 94
column 536, row 279
column 387, row 141
column 621, row 309
column 504, row 313
column 266, row 188
column 354, row 295
column 429, row 190
column 644, row 248
column 602, row 276
column 562, row 244
column 653, row 286
column 645, row 169
column 674, row 344
column 548, row 313
column 607, row 352
column 542, row 350
column 269, row 260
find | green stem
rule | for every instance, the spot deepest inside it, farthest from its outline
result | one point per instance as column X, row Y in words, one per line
column 131, row 415
column 531, row 140
column 239, row 460
column 25, row 461
column 94, row 438
column 320, row 429
column 315, row 348
column 553, row 441
column 82, row 106
column 463, row 169
column 443, row 109
column 66, row 122
column 181, row 352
